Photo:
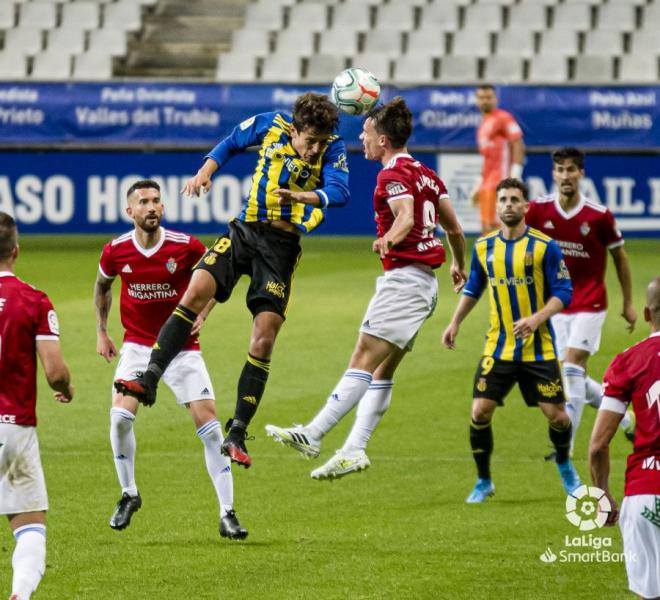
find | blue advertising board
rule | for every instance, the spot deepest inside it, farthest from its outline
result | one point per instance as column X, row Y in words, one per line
column 84, row 192
column 179, row 115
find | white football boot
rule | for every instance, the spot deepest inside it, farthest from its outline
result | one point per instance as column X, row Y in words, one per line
column 341, row 464
column 297, row 437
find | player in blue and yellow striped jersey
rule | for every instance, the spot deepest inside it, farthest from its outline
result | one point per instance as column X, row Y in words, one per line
column 527, row 283
column 301, row 170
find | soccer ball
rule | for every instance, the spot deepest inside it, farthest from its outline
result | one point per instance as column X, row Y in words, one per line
column 355, row 91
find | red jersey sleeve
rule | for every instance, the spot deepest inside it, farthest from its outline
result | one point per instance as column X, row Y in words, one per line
column 47, row 325
column 531, row 218
column 616, row 381
column 510, row 128
column 609, row 234
column 107, row 263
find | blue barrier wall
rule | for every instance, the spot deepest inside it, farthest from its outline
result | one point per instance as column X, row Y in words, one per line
column 83, row 192
column 185, row 115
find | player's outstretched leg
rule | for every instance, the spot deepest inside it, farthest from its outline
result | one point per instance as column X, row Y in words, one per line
column 298, row 437
column 126, row 506
column 341, row 464
column 481, row 442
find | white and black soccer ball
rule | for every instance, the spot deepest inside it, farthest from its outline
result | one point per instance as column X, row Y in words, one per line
column 355, row 91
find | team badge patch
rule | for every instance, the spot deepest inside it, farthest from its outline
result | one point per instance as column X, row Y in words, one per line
column 395, row 188
column 171, row 265
column 481, row 386
column 529, row 259
column 585, row 229
column 53, row 323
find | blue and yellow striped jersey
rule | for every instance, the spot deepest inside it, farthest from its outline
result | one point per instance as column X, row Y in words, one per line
column 279, row 166
column 521, row 275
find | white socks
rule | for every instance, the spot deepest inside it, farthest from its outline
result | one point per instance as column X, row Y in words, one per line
column 122, row 440
column 575, row 394
column 29, row 559
column 370, row 411
column 218, row 466
column 347, row 393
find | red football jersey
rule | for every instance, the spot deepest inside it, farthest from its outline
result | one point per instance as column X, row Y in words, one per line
column 405, row 177
column 634, row 376
column 496, row 131
column 26, row 315
column 153, row 281
column 584, row 235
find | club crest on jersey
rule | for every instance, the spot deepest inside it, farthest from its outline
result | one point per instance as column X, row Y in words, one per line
column 171, row 265
column 585, row 229
column 529, row 259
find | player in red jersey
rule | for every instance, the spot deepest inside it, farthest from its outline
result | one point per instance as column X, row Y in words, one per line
column 409, row 201
column 28, row 327
column 585, row 231
column 155, row 266
column 633, row 379
column 500, row 142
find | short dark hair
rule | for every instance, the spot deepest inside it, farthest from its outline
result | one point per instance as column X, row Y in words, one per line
column 569, row 153
column 316, row 112
column 8, row 235
column 142, row 184
column 393, row 120
column 486, row 86
column 511, row 182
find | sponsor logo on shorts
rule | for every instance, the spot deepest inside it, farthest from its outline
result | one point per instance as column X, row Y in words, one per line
column 11, row 419
column 653, row 515
column 551, row 389
column 277, row 289
column 210, row 258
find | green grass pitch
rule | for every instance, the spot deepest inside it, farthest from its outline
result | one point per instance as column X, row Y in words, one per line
column 400, row 530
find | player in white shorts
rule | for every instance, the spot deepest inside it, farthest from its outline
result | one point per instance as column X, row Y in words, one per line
column 633, row 379
column 154, row 266
column 586, row 232
column 28, row 328
column 409, row 200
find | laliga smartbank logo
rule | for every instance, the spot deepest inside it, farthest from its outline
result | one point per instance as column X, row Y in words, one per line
column 587, row 508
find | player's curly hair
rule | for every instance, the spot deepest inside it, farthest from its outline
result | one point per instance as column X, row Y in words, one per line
column 512, row 182
column 316, row 112
column 393, row 120
column 8, row 235
column 569, row 153
column 142, row 184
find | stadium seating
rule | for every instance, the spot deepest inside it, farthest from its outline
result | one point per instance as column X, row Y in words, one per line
column 420, row 41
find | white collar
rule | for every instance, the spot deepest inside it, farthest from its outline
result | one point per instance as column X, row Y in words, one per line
column 149, row 252
column 7, row 274
column 656, row 334
column 570, row 214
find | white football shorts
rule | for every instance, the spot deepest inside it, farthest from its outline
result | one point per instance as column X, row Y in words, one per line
column 641, row 544
column 22, row 483
column 404, row 299
column 578, row 330
column 186, row 376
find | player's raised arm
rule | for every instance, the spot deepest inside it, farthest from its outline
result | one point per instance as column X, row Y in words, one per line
column 102, row 303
